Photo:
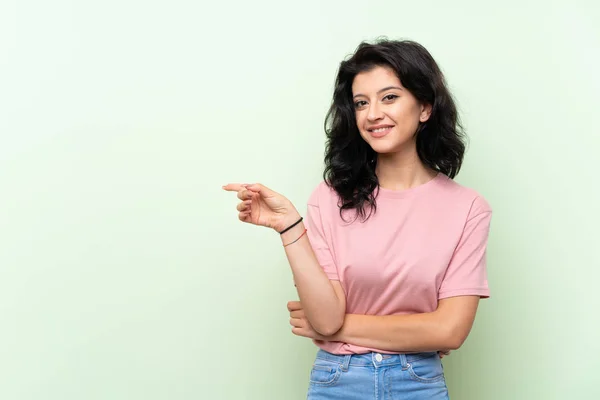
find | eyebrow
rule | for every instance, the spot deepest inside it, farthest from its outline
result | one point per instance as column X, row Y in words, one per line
column 380, row 91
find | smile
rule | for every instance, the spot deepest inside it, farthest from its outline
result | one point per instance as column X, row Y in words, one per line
column 380, row 131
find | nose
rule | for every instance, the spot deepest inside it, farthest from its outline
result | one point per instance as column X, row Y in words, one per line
column 375, row 112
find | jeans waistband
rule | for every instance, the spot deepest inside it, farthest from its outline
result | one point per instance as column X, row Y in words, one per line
column 373, row 358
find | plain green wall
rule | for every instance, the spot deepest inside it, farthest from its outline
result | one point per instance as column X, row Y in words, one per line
column 124, row 273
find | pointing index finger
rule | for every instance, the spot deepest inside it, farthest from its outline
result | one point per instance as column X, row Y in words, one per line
column 234, row 187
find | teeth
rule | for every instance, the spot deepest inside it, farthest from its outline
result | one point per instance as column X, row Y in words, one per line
column 380, row 129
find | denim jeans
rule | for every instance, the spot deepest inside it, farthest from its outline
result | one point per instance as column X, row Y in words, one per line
column 375, row 376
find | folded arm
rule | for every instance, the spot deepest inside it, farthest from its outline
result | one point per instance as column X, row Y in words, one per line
column 446, row 328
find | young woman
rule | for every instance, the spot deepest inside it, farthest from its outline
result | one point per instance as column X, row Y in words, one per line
column 389, row 261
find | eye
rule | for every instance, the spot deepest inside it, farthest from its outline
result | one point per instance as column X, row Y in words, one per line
column 390, row 97
column 359, row 104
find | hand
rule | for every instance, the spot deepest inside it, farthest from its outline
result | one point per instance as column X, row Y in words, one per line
column 264, row 207
column 301, row 326
column 444, row 353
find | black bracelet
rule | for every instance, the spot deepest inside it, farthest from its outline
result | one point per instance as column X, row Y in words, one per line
column 291, row 226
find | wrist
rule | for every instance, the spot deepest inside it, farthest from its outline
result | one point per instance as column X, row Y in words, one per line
column 293, row 234
column 288, row 220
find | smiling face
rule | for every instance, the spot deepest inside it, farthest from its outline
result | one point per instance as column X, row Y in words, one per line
column 387, row 114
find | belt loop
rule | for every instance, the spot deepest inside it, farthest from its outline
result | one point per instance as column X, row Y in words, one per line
column 346, row 362
column 403, row 361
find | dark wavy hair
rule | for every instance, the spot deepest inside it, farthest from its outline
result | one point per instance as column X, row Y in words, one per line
column 349, row 161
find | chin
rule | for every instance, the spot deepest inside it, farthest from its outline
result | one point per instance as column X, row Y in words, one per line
column 392, row 145
column 385, row 148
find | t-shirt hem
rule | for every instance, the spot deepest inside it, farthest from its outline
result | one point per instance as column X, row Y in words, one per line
column 357, row 350
column 482, row 293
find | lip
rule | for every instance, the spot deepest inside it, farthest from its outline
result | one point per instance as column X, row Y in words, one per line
column 380, row 134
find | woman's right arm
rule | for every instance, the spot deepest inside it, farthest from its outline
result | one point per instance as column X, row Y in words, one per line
column 324, row 300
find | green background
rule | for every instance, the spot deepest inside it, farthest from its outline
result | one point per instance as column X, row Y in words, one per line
column 124, row 273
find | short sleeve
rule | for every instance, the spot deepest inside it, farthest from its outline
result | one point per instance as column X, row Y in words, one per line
column 467, row 271
column 317, row 236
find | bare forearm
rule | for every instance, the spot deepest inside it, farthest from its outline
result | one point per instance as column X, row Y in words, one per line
column 321, row 303
column 403, row 333
column 446, row 328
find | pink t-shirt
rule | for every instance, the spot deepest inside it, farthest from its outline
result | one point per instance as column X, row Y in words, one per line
column 421, row 245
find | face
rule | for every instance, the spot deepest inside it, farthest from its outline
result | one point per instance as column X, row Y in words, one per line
column 387, row 114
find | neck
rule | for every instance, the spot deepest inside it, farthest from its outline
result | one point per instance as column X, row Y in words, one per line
column 402, row 170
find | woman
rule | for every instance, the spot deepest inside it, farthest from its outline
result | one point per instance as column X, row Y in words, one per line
column 389, row 262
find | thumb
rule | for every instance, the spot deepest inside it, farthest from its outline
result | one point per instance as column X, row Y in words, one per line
column 261, row 189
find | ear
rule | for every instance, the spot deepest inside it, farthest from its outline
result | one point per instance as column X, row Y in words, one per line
column 425, row 112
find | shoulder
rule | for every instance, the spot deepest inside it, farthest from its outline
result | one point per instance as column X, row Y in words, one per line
column 463, row 196
column 322, row 195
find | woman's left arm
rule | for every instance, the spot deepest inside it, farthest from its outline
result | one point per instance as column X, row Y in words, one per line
column 446, row 328
column 443, row 329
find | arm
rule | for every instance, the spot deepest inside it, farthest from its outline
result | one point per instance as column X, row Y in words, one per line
column 324, row 301
column 446, row 328
column 465, row 282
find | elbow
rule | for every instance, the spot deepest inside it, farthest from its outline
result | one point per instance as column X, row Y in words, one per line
column 330, row 327
column 454, row 339
column 453, row 344
column 327, row 330
column 330, row 323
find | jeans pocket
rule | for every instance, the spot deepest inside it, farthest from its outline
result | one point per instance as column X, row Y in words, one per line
column 427, row 369
column 324, row 373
